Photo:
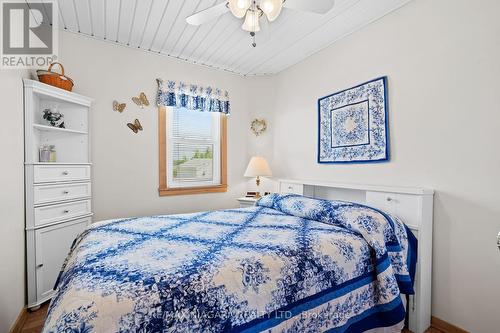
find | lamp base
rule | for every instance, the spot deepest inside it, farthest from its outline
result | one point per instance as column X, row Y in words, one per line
column 257, row 193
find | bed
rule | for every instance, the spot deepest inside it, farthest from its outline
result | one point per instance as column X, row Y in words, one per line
column 289, row 264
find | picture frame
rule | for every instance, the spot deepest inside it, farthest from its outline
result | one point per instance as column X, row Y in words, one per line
column 251, row 194
column 353, row 124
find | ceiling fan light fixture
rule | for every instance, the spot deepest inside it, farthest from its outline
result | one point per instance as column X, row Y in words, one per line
column 272, row 8
column 251, row 23
column 239, row 7
column 251, row 11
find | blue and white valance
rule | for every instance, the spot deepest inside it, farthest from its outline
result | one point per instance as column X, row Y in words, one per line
column 192, row 97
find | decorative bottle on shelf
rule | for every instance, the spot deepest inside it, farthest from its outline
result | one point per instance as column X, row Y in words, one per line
column 53, row 156
column 44, row 154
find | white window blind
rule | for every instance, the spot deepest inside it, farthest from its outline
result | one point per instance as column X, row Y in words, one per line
column 193, row 150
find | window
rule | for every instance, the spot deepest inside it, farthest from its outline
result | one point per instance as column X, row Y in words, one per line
column 192, row 153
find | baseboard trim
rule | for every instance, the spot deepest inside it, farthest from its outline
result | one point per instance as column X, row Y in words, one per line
column 445, row 326
column 20, row 321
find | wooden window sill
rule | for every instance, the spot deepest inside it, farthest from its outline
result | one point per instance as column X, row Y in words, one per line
column 192, row 190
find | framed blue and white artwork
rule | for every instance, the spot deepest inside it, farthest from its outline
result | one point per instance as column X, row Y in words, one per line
column 353, row 124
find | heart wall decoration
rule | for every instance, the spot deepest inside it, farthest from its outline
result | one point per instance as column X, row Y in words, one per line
column 258, row 126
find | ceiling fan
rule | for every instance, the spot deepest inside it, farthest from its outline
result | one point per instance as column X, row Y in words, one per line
column 254, row 10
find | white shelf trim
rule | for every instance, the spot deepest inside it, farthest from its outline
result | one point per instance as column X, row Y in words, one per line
column 362, row 187
column 57, row 129
column 61, row 94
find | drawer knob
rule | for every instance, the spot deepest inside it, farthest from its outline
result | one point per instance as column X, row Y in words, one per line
column 65, row 173
column 65, row 211
column 389, row 199
column 498, row 240
column 65, row 192
column 39, row 265
column 290, row 188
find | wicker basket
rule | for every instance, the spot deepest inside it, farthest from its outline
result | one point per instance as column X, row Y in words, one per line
column 55, row 79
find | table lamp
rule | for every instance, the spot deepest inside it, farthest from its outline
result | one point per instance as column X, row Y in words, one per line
column 258, row 167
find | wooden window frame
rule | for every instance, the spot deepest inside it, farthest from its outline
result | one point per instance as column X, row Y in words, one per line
column 163, row 189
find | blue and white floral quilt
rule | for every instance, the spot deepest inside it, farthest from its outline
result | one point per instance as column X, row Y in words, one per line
column 289, row 264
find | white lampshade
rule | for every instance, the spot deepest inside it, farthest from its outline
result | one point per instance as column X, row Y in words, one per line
column 258, row 166
column 251, row 23
column 272, row 8
column 239, row 7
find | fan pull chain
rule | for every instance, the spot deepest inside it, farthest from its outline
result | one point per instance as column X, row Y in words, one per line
column 254, row 44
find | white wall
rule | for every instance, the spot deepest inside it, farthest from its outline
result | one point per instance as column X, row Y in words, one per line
column 442, row 60
column 125, row 166
column 261, row 106
column 12, row 278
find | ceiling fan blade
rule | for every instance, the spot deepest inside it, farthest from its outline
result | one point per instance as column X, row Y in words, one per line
column 207, row 14
column 315, row 6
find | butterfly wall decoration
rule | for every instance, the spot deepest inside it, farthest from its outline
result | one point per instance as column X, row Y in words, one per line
column 136, row 126
column 119, row 107
column 141, row 101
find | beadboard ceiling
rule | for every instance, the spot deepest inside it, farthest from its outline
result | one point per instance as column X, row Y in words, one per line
column 159, row 26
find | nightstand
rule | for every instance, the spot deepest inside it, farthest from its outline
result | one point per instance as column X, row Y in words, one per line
column 247, row 202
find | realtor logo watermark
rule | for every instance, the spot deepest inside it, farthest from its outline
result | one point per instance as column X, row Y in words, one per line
column 29, row 33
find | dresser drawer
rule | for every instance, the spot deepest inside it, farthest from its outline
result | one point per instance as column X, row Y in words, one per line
column 292, row 188
column 44, row 194
column 60, row 173
column 54, row 213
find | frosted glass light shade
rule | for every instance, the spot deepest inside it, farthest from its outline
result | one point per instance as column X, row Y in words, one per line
column 272, row 8
column 258, row 166
column 251, row 23
column 239, row 7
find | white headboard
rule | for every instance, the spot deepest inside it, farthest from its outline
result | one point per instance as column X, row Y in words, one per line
column 413, row 205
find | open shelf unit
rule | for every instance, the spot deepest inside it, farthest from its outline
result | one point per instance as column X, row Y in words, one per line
column 58, row 194
column 72, row 142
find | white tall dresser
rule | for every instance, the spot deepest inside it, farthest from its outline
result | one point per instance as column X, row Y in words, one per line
column 58, row 196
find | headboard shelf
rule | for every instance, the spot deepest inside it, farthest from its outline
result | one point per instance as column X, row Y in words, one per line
column 362, row 187
column 414, row 205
